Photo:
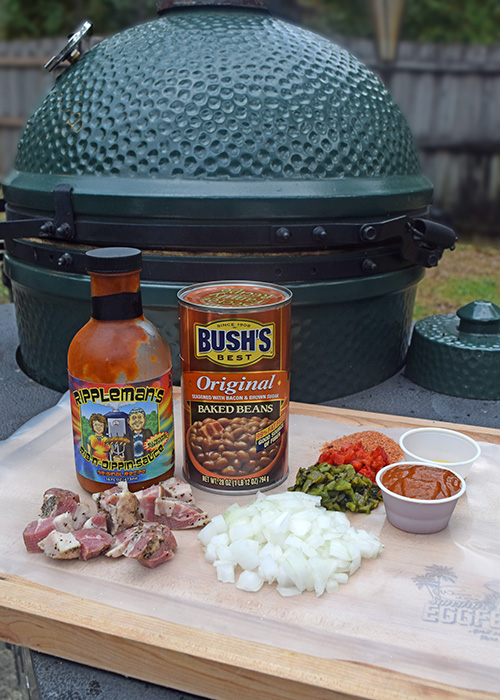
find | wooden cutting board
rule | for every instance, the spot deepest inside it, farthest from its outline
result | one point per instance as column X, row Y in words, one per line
column 200, row 661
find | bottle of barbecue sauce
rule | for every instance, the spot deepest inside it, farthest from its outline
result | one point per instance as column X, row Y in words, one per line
column 120, row 381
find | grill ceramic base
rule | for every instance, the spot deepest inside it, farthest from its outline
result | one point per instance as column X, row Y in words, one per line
column 346, row 335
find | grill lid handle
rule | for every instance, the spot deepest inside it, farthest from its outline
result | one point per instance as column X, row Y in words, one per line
column 433, row 233
column 479, row 317
column 72, row 50
column 428, row 240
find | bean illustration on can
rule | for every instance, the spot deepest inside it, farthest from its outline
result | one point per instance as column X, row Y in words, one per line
column 235, row 361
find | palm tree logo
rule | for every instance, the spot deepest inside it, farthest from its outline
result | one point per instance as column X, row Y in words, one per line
column 445, row 594
column 433, row 579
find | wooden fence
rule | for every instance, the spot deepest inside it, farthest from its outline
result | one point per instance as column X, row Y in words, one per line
column 450, row 95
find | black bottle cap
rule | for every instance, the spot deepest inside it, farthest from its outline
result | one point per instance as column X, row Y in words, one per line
column 113, row 260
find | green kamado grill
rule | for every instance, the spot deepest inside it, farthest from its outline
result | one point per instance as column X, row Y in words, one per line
column 226, row 144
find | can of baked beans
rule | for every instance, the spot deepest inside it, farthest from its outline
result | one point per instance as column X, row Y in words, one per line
column 235, row 361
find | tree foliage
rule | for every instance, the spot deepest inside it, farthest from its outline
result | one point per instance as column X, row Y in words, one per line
column 44, row 18
column 447, row 21
column 461, row 21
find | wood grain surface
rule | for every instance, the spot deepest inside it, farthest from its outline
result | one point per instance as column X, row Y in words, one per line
column 192, row 660
column 379, row 421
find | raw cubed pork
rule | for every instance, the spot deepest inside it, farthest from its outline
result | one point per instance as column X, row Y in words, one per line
column 57, row 501
column 79, row 544
column 179, row 515
column 120, row 505
column 37, row 530
column 150, row 543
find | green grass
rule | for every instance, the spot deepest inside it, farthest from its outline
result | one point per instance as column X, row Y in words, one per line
column 454, row 293
column 4, row 294
column 469, row 273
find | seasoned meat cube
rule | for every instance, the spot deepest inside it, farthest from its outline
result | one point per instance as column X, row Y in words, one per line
column 121, row 542
column 150, row 543
column 60, row 545
column 178, row 489
column 98, row 521
column 120, row 505
column 57, row 501
column 37, row 530
column 92, row 542
column 147, row 499
column 79, row 544
column 178, row 515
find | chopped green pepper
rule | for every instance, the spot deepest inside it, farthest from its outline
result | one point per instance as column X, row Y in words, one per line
column 340, row 487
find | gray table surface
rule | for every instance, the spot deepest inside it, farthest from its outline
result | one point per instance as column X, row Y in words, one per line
column 21, row 398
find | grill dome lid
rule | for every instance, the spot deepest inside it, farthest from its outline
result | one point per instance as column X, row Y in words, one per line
column 220, row 112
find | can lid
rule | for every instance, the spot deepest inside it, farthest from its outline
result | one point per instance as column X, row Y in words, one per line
column 234, row 295
column 113, row 259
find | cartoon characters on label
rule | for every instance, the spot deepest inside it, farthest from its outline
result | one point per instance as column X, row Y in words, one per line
column 98, row 443
column 123, row 432
column 119, row 436
column 137, row 434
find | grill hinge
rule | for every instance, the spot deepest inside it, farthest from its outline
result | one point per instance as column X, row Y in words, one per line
column 63, row 223
column 62, row 226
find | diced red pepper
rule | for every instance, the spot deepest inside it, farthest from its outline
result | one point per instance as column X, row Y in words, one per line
column 367, row 464
column 366, row 471
column 380, row 452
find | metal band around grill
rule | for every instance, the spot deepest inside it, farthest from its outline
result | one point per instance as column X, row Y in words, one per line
column 419, row 241
column 216, row 235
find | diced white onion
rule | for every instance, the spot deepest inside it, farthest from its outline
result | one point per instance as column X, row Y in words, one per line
column 268, row 568
column 221, row 539
column 288, row 539
column 225, row 571
column 242, row 530
column 208, row 532
column 223, row 552
column 244, row 553
column 210, row 552
column 288, row 590
column 332, row 585
column 250, row 581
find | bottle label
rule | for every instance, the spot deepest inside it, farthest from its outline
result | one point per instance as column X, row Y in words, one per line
column 123, row 432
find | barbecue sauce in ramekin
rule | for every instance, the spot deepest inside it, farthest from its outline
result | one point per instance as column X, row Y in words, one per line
column 421, row 481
